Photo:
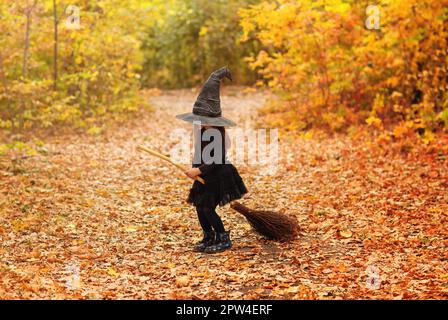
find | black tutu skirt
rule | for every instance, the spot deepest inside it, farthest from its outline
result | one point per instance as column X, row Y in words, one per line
column 222, row 186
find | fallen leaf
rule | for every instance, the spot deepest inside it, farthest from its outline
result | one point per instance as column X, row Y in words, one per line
column 112, row 272
column 131, row 229
column 182, row 281
column 345, row 233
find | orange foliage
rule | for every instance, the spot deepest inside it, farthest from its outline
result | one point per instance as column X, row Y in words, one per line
column 331, row 68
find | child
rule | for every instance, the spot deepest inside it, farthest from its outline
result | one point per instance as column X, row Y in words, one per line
column 222, row 181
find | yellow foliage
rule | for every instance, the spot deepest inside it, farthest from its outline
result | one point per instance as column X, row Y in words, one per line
column 374, row 121
column 97, row 63
column 400, row 130
column 319, row 56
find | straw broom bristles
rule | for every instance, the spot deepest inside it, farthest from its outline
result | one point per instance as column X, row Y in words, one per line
column 273, row 225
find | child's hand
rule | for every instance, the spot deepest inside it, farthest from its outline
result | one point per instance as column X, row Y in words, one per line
column 193, row 172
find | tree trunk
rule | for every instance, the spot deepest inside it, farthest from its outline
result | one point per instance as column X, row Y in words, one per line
column 6, row 89
column 55, row 54
column 27, row 43
column 25, row 62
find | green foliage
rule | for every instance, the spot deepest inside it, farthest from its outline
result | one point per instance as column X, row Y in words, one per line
column 98, row 63
column 17, row 147
column 190, row 38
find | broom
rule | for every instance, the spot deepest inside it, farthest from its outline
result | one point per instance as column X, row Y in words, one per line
column 273, row 225
column 163, row 157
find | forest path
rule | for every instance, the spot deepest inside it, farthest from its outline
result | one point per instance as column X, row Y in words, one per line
column 95, row 218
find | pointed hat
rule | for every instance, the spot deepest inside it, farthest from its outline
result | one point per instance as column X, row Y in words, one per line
column 207, row 108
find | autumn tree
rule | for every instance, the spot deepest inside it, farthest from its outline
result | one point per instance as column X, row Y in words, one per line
column 84, row 75
column 331, row 69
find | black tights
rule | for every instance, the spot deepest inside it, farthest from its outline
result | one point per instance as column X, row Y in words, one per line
column 208, row 218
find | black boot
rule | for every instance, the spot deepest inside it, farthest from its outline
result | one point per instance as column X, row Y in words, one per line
column 208, row 240
column 222, row 243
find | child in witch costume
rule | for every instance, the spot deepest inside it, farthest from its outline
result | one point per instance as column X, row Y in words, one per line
column 222, row 181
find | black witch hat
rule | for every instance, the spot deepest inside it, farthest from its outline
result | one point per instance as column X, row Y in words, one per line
column 207, row 108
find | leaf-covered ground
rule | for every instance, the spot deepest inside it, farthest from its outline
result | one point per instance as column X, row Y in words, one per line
column 91, row 217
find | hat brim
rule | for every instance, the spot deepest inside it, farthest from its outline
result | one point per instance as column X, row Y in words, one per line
column 212, row 121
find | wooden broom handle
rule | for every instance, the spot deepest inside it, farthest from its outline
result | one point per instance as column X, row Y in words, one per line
column 163, row 157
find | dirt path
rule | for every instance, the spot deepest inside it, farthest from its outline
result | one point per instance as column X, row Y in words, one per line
column 94, row 218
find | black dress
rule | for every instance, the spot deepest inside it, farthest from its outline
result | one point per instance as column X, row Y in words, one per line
column 223, row 183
